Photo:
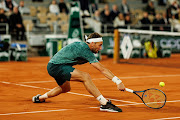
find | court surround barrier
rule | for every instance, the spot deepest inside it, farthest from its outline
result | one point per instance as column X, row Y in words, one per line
column 4, row 52
column 12, row 51
column 167, row 41
column 54, row 43
column 18, row 52
column 141, row 36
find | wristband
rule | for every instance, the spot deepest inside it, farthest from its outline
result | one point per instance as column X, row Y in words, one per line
column 116, row 80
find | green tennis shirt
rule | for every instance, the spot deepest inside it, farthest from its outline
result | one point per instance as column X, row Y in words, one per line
column 73, row 54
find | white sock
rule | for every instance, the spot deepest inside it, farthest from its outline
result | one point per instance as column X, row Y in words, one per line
column 102, row 100
column 45, row 96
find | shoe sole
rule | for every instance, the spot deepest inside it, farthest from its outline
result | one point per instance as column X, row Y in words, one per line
column 33, row 98
column 108, row 110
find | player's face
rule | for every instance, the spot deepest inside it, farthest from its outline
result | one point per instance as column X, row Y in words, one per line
column 97, row 47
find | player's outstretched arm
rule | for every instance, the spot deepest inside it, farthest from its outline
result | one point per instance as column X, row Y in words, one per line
column 121, row 87
column 107, row 73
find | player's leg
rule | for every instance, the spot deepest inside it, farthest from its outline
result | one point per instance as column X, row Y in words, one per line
column 56, row 91
column 53, row 92
column 78, row 75
column 106, row 105
column 61, row 73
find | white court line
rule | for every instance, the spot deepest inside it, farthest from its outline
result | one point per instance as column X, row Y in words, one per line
column 152, row 76
column 170, row 118
column 37, row 82
column 123, row 105
column 24, row 85
column 138, row 103
column 67, row 92
column 69, row 109
column 20, row 113
column 143, row 103
column 141, row 77
column 131, row 77
column 174, row 101
column 107, row 98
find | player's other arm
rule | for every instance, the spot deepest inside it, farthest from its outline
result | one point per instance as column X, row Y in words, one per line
column 107, row 73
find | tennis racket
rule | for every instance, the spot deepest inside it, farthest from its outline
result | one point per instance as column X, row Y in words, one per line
column 153, row 98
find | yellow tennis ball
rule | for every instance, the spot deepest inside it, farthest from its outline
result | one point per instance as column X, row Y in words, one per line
column 161, row 84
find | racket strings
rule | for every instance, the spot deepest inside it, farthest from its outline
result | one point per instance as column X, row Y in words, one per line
column 154, row 98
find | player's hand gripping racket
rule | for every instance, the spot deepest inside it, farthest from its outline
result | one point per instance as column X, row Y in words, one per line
column 153, row 98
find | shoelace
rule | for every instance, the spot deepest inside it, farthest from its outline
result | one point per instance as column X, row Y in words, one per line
column 112, row 105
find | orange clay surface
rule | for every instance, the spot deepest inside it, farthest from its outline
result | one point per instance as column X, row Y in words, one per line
column 20, row 81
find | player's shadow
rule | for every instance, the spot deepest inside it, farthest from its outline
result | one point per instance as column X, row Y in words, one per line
column 168, row 109
column 165, row 109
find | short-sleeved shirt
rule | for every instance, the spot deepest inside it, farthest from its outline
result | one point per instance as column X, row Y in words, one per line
column 73, row 54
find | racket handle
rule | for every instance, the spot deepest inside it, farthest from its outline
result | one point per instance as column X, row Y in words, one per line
column 129, row 90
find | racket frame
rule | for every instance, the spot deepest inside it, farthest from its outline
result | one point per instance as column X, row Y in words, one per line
column 143, row 91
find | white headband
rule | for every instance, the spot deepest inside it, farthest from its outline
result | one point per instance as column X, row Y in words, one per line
column 94, row 39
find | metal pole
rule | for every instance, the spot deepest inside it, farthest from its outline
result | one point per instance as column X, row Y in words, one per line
column 116, row 46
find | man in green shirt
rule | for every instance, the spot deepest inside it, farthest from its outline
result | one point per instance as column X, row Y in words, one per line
column 60, row 68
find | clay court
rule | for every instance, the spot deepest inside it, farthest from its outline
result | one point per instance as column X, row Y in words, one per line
column 19, row 81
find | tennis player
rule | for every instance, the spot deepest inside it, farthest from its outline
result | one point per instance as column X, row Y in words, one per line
column 60, row 67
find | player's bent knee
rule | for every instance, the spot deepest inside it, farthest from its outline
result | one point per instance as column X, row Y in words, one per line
column 67, row 89
column 86, row 77
column 80, row 76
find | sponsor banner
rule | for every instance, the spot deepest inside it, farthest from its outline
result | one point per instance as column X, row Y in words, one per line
column 168, row 41
column 162, row 41
column 75, row 31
